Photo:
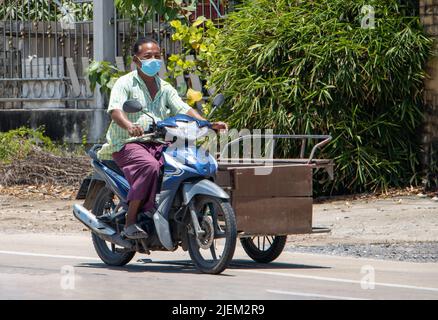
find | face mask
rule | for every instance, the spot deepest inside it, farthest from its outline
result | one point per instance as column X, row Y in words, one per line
column 150, row 67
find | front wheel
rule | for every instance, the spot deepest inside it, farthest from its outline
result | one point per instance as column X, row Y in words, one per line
column 214, row 249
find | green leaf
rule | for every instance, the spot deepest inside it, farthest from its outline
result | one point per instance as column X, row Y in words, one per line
column 254, row 46
column 203, row 48
column 200, row 20
column 176, row 24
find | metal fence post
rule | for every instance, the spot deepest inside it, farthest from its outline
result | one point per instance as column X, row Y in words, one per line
column 104, row 35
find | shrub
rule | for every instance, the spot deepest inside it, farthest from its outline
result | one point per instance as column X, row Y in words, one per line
column 309, row 67
column 16, row 144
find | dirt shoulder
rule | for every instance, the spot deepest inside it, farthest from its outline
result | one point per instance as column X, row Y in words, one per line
column 392, row 220
column 19, row 215
column 398, row 228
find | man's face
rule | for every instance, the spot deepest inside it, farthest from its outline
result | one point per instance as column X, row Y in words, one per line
column 147, row 50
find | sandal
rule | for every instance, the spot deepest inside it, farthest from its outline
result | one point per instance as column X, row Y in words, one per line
column 134, row 232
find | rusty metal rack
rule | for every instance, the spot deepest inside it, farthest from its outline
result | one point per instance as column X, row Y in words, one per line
column 273, row 196
column 325, row 140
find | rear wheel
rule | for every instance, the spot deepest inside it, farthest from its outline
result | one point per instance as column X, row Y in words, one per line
column 264, row 249
column 110, row 253
column 214, row 250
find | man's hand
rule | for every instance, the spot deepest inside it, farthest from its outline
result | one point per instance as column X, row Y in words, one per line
column 219, row 126
column 135, row 130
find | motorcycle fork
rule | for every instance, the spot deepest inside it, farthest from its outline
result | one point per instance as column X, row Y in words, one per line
column 197, row 228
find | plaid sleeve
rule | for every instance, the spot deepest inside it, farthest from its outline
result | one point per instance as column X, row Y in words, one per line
column 175, row 103
column 118, row 96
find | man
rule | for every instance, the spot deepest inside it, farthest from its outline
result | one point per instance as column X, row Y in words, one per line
column 139, row 159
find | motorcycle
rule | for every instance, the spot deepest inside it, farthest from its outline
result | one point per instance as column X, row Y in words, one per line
column 192, row 211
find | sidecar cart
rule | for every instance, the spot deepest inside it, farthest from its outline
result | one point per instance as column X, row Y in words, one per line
column 272, row 198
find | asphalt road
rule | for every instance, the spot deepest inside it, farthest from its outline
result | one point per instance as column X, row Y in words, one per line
column 41, row 266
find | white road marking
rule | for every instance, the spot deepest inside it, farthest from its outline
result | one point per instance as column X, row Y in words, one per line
column 312, row 295
column 302, row 276
column 44, row 255
column 280, row 274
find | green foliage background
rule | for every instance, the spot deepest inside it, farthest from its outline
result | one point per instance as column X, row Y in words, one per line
column 16, row 144
column 309, row 67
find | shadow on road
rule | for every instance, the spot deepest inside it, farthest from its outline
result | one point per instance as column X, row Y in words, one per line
column 186, row 266
column 146, row 267
column 249, row 264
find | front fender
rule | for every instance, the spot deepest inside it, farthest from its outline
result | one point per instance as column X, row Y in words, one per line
column 205, row 187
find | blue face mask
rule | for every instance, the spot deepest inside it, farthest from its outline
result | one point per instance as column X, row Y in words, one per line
column 150, row 67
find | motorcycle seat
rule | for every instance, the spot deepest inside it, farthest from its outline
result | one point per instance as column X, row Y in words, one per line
column 108, row 163
column 113, row 166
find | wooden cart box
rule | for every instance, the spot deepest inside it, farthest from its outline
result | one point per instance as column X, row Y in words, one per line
column 278, row 203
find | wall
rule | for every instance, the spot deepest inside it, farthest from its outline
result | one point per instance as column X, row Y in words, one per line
column 64, row 125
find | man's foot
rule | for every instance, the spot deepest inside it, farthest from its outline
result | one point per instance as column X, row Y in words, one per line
column 133, row 231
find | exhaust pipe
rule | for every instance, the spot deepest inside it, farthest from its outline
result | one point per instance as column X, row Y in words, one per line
column 103, row 230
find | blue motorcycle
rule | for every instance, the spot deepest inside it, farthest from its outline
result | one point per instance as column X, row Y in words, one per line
column 192, row 211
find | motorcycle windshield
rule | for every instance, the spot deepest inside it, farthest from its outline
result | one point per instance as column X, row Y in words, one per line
column 185, row 131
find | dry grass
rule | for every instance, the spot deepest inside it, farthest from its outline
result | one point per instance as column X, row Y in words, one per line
column 44, row 175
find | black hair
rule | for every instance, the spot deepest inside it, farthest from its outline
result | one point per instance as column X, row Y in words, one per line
column 140, row 41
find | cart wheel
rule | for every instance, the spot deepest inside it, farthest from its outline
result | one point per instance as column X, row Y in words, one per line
column 264, row 249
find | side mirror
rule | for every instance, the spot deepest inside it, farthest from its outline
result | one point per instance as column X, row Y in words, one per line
column 218, row 100
column 132, row 106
